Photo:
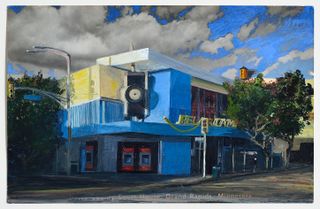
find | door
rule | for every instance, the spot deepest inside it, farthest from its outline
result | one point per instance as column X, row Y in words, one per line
column 91, row 156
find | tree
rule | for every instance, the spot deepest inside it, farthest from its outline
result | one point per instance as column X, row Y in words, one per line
column 249, row 105
column 33, row 127
column 292, row 106
column 267, row 111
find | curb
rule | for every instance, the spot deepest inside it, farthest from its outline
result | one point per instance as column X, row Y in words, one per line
column 221, row 179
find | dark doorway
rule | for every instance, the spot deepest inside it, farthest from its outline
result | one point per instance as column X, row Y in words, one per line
column 211, row 154
column 138, row 157
column 91, row 155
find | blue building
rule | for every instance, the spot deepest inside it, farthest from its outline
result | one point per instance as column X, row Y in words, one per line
column 117, row 117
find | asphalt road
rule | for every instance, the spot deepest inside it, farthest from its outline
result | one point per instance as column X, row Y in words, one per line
column 284, row 186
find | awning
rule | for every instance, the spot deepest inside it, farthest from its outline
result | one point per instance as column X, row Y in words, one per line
column 159, row 129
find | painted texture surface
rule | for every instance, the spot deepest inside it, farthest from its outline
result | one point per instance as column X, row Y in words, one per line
column 176, row 158
column 159, row 92
column 170, row 95
column 111, row 82
column 93, row 113
column 180, row 95
column 85, row 85
column 95, row 82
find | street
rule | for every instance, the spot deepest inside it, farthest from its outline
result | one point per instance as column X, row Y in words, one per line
column 294, row 185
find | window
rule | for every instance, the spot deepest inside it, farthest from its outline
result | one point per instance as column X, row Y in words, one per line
column 203, row 103
column 145, row 159
column 127, row 159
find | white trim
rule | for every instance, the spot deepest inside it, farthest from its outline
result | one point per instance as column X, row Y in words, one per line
column 196, row 82
column 148, row 60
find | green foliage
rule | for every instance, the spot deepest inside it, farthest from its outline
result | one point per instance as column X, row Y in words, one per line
column 33, row 131
column 291, row 107
column 278, row 109
column 247, row 102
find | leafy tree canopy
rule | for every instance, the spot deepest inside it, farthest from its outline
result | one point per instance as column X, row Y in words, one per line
column 33, row 127
column 272, row 110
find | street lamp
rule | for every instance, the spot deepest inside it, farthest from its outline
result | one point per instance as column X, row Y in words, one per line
column 59, row 52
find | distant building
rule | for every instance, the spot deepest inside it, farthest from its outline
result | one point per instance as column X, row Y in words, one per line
column 118, row 108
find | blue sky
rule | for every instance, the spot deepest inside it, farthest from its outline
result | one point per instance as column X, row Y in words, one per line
column 269, row 40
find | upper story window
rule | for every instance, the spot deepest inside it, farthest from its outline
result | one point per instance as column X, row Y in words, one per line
column 205, row 103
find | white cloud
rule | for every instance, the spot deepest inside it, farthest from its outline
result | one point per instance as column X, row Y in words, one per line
column 311, row 72
column 270, row 68
column 230, row 73
column 83, row 32
column 222, row 42
column 206, row 64
column 247, row 57
column 305, row 55
column 264, row 29
column 169, row 12
column 246, row 29
column 302, row 55
column 237, row 58
column 284, row 11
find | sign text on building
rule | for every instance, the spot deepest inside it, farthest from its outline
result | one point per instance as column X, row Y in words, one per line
column 220, row 122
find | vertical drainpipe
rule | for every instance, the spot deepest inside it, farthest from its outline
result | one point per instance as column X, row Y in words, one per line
column 160, row 157
column 146, row 87
column 232, row 156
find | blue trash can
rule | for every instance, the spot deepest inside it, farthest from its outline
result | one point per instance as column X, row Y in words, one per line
column 215, row 172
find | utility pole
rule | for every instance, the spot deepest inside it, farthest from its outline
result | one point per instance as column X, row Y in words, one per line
column 204, row 155
column 204, row 131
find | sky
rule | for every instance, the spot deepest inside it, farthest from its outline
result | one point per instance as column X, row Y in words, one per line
column 216, row 40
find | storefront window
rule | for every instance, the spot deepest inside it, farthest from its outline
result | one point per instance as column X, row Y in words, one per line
column 205, row 103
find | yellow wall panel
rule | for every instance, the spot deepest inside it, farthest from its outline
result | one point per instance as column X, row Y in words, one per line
column 111, row 82
column 85, row 85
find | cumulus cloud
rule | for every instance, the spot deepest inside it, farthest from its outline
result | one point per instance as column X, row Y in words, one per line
column 169, row 12
column 84, row 33
column 204, row 63
column 230, row 73
column 247, row 57
column 222, row 42
column 237, row 57
column 284, row 11
column 302, row 55
column 264, row 29
column 279, row 13
column 246, row 29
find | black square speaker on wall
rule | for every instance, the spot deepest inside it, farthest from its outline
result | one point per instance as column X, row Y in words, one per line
column 136, row 95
